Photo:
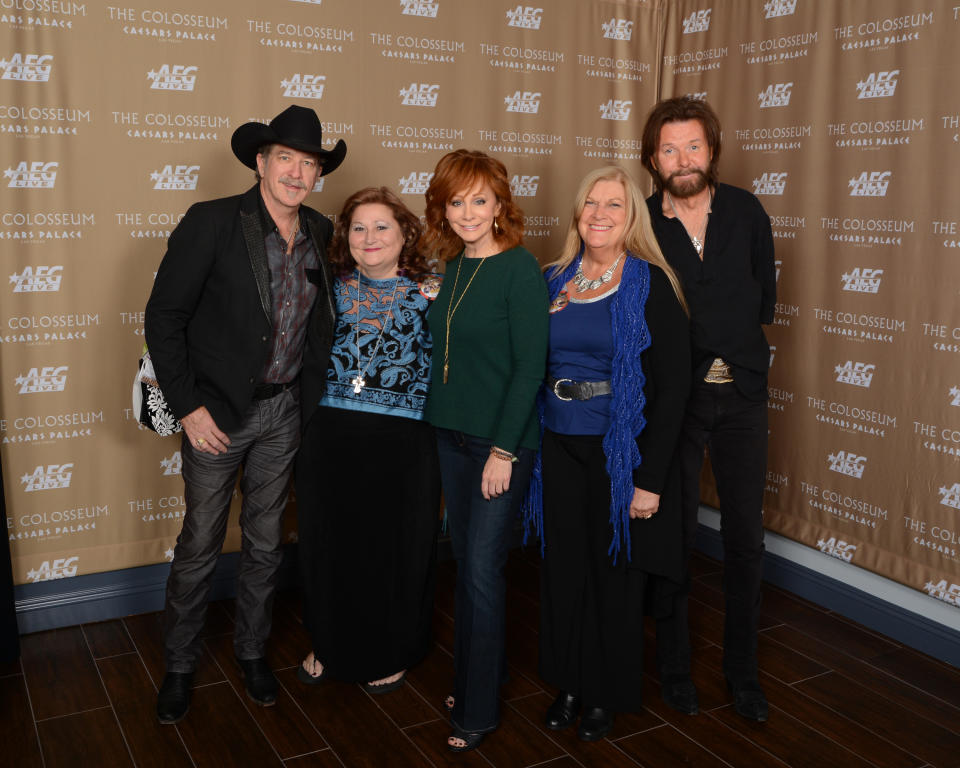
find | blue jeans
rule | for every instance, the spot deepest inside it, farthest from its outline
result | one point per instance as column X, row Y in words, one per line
column 480, row 537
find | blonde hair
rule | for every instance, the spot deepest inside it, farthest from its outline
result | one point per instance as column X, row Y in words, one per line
column 638, row 236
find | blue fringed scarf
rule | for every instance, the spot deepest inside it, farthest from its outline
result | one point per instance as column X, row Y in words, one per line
column 630, row 338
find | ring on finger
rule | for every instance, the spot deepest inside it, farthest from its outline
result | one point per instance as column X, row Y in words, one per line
column 200, row 441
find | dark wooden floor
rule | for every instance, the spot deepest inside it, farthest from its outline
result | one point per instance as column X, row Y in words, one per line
column 840, row 695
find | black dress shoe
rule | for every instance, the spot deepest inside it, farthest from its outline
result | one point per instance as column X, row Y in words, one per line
column 563, row 711
column 678, row 692
column 595, row 723
column 749, row 700
column 259, row 680
column 173, row 700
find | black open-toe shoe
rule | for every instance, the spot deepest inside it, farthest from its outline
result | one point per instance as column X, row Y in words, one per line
column 470, row 740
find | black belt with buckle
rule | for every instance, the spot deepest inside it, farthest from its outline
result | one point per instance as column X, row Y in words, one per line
column 266, row 391
column 567, row 389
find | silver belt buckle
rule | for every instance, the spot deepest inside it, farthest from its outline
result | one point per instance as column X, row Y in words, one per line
column 556, row 388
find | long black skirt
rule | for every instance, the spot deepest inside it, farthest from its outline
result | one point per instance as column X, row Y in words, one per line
column 368, row 498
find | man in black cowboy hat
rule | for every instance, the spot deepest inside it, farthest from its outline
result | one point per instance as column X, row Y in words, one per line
column 243, row 287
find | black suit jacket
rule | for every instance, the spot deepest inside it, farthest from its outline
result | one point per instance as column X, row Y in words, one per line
column 209, row 317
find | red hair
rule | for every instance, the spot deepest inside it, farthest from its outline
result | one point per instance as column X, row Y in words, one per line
column 456, row 172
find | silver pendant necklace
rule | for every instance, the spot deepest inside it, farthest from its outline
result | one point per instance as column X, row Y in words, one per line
column 359, row 381
column 697, row 240
column 580, row 279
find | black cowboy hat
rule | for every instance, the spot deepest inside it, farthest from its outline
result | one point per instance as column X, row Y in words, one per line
column 296, row 127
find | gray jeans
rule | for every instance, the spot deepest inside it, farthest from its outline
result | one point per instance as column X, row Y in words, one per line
column 264, row 445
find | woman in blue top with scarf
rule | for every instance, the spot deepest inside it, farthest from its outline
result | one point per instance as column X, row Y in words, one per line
column 605, row 499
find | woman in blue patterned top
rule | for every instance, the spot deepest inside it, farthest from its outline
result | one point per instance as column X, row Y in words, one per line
column 367, row 482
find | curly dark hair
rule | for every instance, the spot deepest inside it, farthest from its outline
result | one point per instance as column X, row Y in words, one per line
column 458, row 171
column 678, row 110
column 412, row 264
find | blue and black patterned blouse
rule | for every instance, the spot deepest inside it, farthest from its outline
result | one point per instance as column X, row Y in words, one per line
column 394, row 346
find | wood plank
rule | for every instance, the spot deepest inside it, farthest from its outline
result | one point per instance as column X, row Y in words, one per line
column 17, row 731
column 878, row 682
column 284, row 724
column 784, row 663
column 51, row 657
column 817, row 623
column 597, row 754
column 667, row 747
column 881, row 715
column 146, row 631
column 134, row 701
column 708, row 732
column 873, row 747
column 790, row 740
column 88, row 738
column 352, row 724
column 433, row 679
column 933, row 677
column 218, row 731
column 325, row 759
column 107, row 638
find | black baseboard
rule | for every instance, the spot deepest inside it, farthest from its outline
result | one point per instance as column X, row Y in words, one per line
column 103, row 596
column 904, row 626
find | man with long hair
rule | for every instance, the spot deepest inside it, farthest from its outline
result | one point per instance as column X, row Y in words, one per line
column 718, row 239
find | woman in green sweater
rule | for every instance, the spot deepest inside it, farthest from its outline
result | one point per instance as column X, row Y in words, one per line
column 489, row 327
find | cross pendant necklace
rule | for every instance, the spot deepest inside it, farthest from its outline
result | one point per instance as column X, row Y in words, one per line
column 358, row 383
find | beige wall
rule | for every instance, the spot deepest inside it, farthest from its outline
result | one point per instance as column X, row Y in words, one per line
column 842, row 117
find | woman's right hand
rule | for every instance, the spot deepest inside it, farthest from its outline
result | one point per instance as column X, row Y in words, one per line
column 496, row 477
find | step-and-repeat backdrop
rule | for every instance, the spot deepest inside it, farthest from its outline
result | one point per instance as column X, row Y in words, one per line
column 842, row 118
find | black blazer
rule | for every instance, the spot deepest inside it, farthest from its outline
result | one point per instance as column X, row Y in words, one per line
column 209, row 317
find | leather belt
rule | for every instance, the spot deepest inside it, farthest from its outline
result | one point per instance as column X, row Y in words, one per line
column 266, row 391
column 567, row 389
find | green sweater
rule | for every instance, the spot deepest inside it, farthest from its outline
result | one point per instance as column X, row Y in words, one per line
column 498, row 349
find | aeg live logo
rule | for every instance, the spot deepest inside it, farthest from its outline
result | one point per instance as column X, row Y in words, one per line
column 172, row 465
column 48, row 478
column 870, row 184
column 862, row 280
column 420, row 95
column 35, row 175
column 879, row 85
column 61, row 568
column 524, row 186
column 770, row 184
column 615, row 109
column 618, row 29
column 525, row 17
column 420, row 8
column 857, row 374
column 32, row 67
column 304, row 86
column 837, row 548
column 37, row 279
column 774, row 8
column 176, row 177
column 47, row 379
column 172, row 78
column 847, row 463
column 527, row 102
column 775, row 95
column 698, row 21
column 415, row 183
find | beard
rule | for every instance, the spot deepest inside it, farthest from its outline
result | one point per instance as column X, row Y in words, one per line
column 685, row 183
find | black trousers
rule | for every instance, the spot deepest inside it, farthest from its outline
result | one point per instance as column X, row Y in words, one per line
column 591, row 610
column 735, row 431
